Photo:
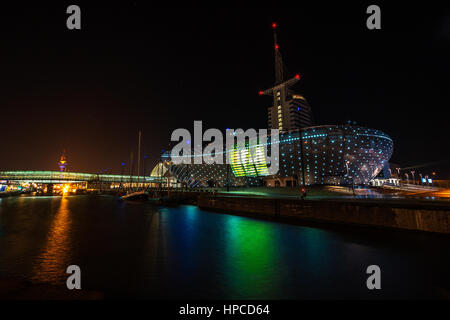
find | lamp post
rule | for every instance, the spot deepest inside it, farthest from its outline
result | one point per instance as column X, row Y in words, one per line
column 228, row 177
column 421, row 181
column 121, row 173
column 412, row 173
column 346, row 165
column 407, row 178
column 353, row 184
column 398, row 175
column 145, row 160
column 303, row 161
column 131, row 171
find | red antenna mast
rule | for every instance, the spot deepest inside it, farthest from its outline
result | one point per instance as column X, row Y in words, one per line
column 280, row 82
column 279, row 75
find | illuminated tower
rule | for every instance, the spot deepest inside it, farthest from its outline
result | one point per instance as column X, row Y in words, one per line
column 63, row 162
column 289, row 110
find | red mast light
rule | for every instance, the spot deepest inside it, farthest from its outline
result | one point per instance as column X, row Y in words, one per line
column 297, row 76
column 274, row 25
column 261, row 93
column 277, row 46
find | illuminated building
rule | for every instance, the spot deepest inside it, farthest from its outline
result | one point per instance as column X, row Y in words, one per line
column 329, row 154
column 207, row 175
column 244, row 163
column 308, row 155
column 289, row 110
column 63, row 162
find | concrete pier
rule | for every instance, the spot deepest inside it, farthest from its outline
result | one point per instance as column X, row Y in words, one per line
column 430, row 217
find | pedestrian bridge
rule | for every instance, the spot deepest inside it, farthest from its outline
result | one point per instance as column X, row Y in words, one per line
column 72, row 177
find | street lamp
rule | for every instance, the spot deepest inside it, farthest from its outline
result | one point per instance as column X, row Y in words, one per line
column 228, row 177
column 346, row 164
column 121, row 173
column 353, row 184
column 145, row 158
column 414, row 181
column 398, row 176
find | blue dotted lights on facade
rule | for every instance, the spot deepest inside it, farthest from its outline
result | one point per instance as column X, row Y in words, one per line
column 326, row 149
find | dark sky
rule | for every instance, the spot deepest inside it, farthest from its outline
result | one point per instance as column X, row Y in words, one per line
column 133, row 66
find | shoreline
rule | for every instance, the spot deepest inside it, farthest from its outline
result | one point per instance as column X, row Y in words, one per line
column 420, row 217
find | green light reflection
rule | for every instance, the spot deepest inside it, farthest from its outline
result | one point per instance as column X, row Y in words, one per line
column 251, row 253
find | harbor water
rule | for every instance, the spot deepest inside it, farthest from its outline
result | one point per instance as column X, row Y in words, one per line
column 137, row 250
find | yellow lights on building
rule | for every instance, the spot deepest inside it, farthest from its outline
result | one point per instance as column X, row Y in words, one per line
column 249, row 162
column 238, row 169
column 280, row 120
column 298, row 97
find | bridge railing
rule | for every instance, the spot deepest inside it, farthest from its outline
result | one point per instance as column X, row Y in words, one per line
column 61, row 177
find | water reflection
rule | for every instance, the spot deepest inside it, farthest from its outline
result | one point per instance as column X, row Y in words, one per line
column 155, row 247
column 51, row 264
column 130, row 249
column 188, row 234
column 251, row 257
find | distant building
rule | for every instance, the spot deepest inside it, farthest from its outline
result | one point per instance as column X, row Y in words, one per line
column 63, row 162
column 394, row 170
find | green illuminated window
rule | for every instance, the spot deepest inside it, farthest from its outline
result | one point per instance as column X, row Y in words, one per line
column 249, row 162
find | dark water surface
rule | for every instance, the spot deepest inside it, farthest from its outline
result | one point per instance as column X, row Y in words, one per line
column 128, row 249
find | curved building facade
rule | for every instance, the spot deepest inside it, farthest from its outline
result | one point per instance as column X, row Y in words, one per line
column 328, row 154
column 332, row 154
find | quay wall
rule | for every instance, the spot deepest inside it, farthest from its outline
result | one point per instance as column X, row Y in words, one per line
column 366, row 213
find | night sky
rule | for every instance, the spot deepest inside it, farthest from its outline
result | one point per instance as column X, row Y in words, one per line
column 135, row 67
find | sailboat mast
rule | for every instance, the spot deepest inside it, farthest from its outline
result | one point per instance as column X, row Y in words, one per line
column 131, row 170
column 139, row 159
